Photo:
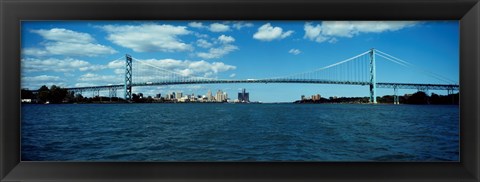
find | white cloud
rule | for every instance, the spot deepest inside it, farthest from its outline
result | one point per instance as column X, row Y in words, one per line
column 153, row 69
column 85, row 84
column 313, row 32
column 223, row 47
column 328, row 30
column 67, row 74
column 91, row 77
column 42, row 78
column 35, row 82
column 64, row 35
column 241, row 24
column 116, row 64
column 57, row 65
column 196, row 25
column 148, row 37
column 204, row 43
column 92, row 68
column 217, row 52
column 35, row 52
column 226, row 39
column 232, row 75
column 199, row 35
column 119, row 71
column 218, row 27
column 150, row 70
column 77, row 49
column 67, row 42
column 333, row 40
column 268, row 33
column 294, row 51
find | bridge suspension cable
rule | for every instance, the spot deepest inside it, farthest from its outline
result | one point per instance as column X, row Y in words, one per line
column 121, row 58
column 161, row 75
column 354, row 69
column 412, row 66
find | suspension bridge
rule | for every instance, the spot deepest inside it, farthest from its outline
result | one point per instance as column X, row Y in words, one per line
column 357, row 70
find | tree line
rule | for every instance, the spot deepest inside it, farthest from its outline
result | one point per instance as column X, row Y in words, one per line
column 56, row 95
column 416, row 98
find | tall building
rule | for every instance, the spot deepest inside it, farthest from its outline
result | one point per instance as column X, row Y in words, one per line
column 209, row 96
column 243, row 96
column 178, row 95
column 219, row 96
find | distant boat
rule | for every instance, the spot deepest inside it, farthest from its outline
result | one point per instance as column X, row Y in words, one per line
column 48, row 102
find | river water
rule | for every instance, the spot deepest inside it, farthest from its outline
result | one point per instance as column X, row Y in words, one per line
column 239, row 132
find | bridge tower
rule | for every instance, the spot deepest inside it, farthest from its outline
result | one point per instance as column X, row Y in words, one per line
column 373, row 81
column 128, row 78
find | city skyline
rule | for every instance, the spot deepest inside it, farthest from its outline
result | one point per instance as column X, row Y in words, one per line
column 219, row 96
column 87, row 53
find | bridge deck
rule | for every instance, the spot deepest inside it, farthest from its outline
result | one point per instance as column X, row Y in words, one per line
column 265, row 81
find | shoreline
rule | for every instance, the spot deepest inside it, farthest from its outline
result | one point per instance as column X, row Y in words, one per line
column 269, row 103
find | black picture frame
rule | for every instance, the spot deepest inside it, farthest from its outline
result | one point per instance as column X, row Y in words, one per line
column 13, row 11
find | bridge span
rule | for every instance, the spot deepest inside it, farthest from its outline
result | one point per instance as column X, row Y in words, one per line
column 417, row 86
column 357, row 70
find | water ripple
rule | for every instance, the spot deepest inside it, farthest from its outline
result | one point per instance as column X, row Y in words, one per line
column 239, row 132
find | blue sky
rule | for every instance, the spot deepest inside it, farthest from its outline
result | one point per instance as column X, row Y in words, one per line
column 86, row 53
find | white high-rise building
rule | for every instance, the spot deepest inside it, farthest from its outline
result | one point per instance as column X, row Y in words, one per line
column 209, row 96
column 178, row 95
column 219, row 96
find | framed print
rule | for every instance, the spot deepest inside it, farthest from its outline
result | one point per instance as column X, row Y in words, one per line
column 210, row 90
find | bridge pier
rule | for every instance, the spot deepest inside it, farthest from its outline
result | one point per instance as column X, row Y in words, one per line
column 396, row 99
column 112, row 92
column 449, row 91
column 96, row 92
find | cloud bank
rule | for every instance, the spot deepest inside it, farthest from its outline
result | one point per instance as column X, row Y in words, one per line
column 329, row 30
column 60, row 41
column 148, row 37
